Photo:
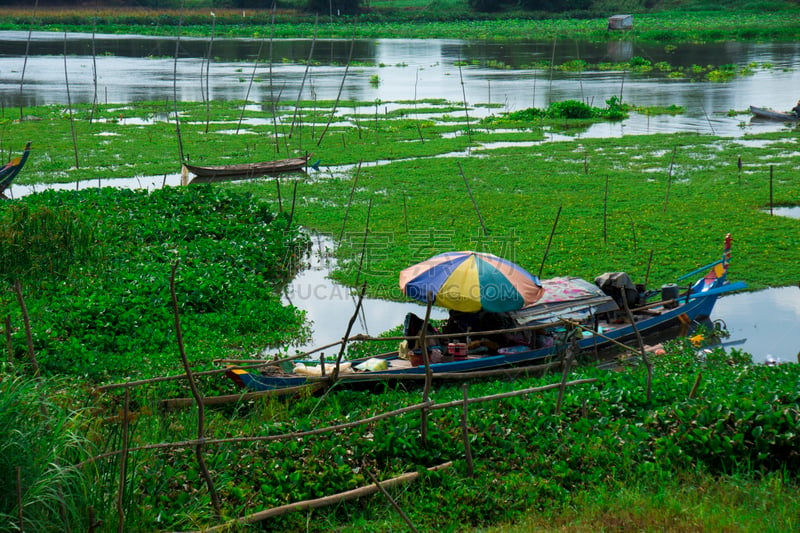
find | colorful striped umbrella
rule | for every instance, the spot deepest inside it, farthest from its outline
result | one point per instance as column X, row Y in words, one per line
column 470, row 282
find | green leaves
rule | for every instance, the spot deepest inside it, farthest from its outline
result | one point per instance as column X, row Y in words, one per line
column 103, row 321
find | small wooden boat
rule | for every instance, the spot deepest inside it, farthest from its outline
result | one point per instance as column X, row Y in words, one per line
column 11, row 169
column 216, row 173
column 592, row 315
column 769, row 114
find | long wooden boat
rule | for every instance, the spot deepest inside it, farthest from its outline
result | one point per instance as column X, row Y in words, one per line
column 769, row 114
column 593, row 318
column 210, row 174
column 12, row 168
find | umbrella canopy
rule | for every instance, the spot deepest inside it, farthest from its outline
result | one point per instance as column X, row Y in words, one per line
column 470, row 282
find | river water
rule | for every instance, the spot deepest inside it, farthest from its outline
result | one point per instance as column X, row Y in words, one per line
column 124, row 69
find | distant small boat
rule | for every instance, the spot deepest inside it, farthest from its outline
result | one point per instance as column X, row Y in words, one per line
column 211, row 174
column 769, row 114
column 11, row 169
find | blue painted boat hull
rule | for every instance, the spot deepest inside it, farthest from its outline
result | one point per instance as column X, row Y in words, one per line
column 694, row 307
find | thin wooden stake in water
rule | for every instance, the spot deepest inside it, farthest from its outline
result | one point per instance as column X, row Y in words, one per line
column 405, row 213
column 770, row 190
column 208, row 70
column 94, row 70
column 649, row 263
column 350, row 323
column 605, row 214
column 350, row 201
column 341, row 85
column 669, row 178
column 69, row 106
column 305, row 76
column 249, row 86
column 552, row 66
column 464, row 97
column 25, row 61
column 550, row 240
column 474, row 203
column 175, row 86
column 739, row 165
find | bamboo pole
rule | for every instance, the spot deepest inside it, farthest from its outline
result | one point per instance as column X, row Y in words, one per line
column 646, row 359
column 350, row 200
column 94, row 68
column 69, row 106
column 9, row 339
column 252, row 364
column 249, row 86
column 428, row 371
column 605, row 214
column 549, row 241
column 770, row 189
column 26, row 320
column 394, row 503
column 464, row 97
column 350, row 323
column 339, row 427
column 569, row 354
column 474, row 202
column 465, row 432
column 177, row 403
column 123, row 464
column 20, row 507
column 25, row 60
column 175, row 85
column 199, row 447
column 669, row 178
column 333, row 499
column 341, row 85
column 208, row 71
column 305, row 76
column 696, row 384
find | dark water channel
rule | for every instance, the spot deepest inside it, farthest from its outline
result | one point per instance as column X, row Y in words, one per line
column 133, row 68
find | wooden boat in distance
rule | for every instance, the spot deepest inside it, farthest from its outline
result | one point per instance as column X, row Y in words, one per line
column 215, row 173
column 11, row 169
column 769, row 114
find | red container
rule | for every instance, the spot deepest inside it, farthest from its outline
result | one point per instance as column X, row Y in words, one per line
column 457, row 349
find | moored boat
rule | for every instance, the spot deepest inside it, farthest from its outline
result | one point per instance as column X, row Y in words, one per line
column 770, row 114
column 215, row 173
column 12, row 168
column 574, row 312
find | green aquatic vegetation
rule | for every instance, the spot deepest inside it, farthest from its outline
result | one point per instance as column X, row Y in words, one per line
column 111, row 318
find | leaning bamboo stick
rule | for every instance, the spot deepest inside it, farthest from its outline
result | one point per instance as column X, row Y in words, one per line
column 177, row 403
column 337, row 427
column 333, row 499
column 199, row 447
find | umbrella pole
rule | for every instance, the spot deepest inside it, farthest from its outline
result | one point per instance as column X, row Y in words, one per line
column 428, row 372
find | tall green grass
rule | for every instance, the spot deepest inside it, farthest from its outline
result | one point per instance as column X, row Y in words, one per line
column 40, row 443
